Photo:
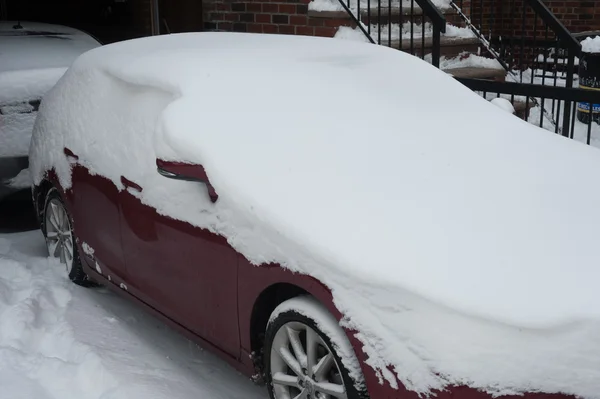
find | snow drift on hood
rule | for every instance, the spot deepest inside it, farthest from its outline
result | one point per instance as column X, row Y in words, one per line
column 457, row 239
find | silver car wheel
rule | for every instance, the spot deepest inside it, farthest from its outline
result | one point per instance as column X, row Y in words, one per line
column 59, row 237
column 303, row 366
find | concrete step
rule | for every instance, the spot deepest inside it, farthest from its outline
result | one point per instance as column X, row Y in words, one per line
column 496, row 74
column 450, row 46
column 384, row 14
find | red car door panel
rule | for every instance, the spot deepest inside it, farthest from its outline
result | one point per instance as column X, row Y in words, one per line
column 95, row 209
column 184, row 272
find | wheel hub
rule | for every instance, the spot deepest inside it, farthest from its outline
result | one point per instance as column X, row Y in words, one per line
column 303, row 366
column 58, row 234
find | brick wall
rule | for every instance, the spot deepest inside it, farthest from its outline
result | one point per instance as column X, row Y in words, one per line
column 577, row 16
column 293, row 17
column 274, row 16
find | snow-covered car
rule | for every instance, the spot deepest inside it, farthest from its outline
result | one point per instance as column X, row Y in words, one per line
column 336, row 219
column 33, row 56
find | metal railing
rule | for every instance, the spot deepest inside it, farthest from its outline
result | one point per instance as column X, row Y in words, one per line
column 531, row 44
column 584, row 127
column 413, row 26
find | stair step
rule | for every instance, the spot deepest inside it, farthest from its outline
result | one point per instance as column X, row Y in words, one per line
column 384, row 12
column 497, row 74
column 450, row 46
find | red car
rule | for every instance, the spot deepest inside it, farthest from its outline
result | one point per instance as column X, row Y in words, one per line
column 208, row 178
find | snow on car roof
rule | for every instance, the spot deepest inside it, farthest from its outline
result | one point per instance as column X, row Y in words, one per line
column 439, row 221
column 36, row 56
column 40, row 46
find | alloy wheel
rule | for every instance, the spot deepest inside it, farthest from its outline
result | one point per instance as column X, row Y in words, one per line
column 303, row 366
column 59, row 237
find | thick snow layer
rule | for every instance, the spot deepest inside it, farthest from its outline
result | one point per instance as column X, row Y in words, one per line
column 61, row 341
column 35, row 57
column 453, row 249
column 591, row 45
column 40, row 46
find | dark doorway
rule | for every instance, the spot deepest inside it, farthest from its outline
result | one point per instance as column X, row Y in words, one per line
column 107, row 20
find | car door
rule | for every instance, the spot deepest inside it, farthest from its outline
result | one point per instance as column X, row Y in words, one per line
column 187, row 273
column 94, row 204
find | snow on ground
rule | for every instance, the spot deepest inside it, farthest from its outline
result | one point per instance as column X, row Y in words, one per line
column 15, row 133
column 60, row 341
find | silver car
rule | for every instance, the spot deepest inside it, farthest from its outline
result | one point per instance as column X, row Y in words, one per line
column 33, row 56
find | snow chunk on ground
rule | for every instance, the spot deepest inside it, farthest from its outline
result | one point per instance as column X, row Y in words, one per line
column 22, row 180
column 591, row 45
column 504, row 104
column 347, row 33
column 443, row 224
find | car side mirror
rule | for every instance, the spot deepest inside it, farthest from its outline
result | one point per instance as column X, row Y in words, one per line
column 188, row 172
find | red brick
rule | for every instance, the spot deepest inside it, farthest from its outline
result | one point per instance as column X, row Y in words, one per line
column 255, row 28
column 287, row 29
column 287, row 8
column 270, row 7
column 298, row 20
column 263, row 18
column 325, row 31
column 305, row 30
column 254, row 7
column 268, row 28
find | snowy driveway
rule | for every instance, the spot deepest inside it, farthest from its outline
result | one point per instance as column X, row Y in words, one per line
column 60, row 341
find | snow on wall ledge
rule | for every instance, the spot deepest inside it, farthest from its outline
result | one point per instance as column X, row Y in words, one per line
column 448, row 247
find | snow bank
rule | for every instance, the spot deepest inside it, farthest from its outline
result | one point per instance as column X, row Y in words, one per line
column 38, row 352
column 449, row 247
column 591, row 45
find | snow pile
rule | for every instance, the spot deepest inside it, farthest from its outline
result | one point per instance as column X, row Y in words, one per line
column 504, row 104
column 38, row 352
column 466, row 60
column 591, row 45
column 447, row 246
column 347, row 33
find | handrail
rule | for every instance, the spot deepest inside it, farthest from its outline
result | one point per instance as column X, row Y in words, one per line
column 434, row 14
column 429, row 10
column 357, row 21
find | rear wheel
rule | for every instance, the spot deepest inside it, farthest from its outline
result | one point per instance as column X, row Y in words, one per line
column 303, row 349
column 60, row 240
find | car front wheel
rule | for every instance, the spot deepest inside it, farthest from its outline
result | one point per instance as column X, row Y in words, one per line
column 60, row 240
column 304, row 347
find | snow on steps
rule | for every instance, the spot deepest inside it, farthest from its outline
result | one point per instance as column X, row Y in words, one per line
column 401, row 20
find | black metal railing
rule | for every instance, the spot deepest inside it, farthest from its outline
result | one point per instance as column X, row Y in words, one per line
column 531, row 44
column 583, row 125
column 413, row 26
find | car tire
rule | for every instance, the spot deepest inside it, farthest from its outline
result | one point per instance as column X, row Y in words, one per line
column 290, row 325
column 57, row 227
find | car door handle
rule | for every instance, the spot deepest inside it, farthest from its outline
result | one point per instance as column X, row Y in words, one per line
column 129, row 184
column 70, row 154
